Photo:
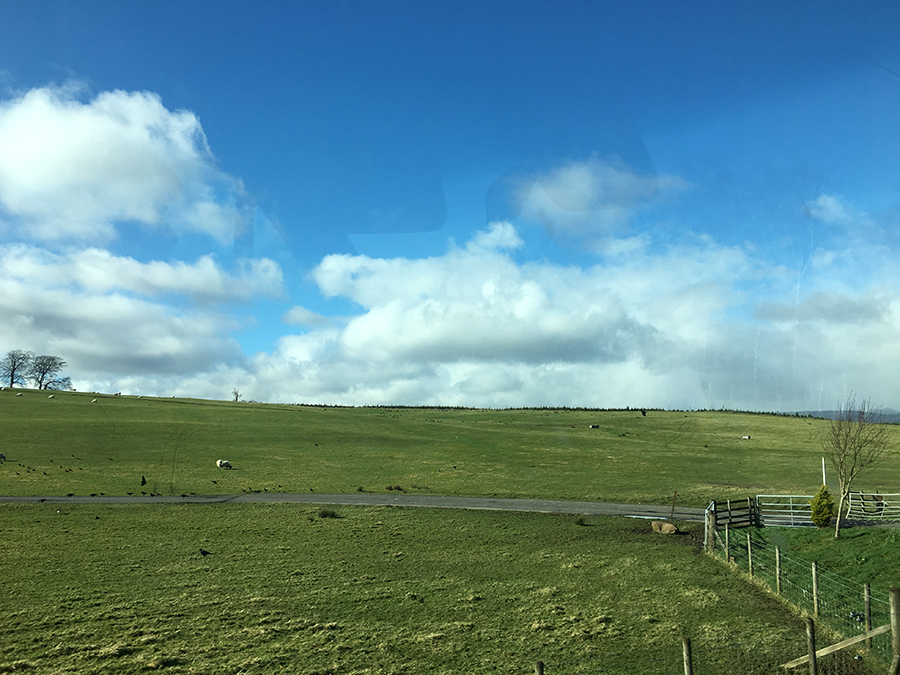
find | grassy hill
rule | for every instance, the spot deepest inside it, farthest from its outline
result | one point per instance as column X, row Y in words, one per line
column 68, row 444
column 124, row 589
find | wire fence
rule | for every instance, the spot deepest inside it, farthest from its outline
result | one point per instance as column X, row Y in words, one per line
column 714, row 657
column 842, row 606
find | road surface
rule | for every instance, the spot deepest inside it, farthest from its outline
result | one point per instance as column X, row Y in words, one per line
column 362, row 499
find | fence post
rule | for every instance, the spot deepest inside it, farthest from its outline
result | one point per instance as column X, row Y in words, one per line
column 895, row 621
column 750, row 510
column 811, row 645
column 711, row 529
column 727, row 543
column 749, row 556
column 539, row 668
column 815, row 575
column 729, row 511
column 778, row 570
column 867, row 602
column 686, row 651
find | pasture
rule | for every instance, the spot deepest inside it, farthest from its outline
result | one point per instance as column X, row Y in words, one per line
column 124, row 589
column 92, row 588
column 69, row 444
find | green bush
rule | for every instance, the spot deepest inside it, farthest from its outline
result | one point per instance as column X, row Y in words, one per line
column 822, row 506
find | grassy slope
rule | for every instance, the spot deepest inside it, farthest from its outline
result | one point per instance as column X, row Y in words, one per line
column 123, row 589
column 109, row 445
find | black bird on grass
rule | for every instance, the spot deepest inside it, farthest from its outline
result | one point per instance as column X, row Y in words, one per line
column 204, row 553
column 143, row 481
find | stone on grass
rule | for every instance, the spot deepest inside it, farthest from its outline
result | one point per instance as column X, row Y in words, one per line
column 663, row 528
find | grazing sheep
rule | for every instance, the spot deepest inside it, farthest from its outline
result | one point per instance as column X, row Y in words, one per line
column 223, row 464
column 19, row 394
column 2, row 457
column 745, row 438
column 93, row 400
column 51, row 396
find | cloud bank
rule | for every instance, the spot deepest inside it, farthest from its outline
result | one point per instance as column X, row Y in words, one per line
column 685, row 322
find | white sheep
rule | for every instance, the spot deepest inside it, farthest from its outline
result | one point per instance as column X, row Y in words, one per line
column 51, row 396
column 223, row 464
column 93, row 400
column 19, row 394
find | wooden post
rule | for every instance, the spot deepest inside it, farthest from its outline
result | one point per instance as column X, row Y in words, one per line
column 711, row 531
column 895, row 621
column 727, row 543
column 749, row 556
column 811, row 645
column 815, row 573
column 686, row 651
column 539, row 668
column 778, row 570
column 867, row 601
column 750, row 510
column 729, row 511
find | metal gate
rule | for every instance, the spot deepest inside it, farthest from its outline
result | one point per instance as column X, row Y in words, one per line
column 866, row 506
column 784, row 510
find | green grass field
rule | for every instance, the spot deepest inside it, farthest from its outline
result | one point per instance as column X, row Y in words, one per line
column 124, row 589
column 68, row 444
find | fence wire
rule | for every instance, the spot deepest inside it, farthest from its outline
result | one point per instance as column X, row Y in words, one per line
column 836, row 603
column 711, row 657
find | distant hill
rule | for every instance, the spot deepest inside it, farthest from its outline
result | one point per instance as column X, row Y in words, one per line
column 889, row 415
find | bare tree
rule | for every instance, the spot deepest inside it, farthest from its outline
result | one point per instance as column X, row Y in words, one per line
column 44, row 370
column 59, row 384
column 236, row 395
column 14, row 366
column 857, row 439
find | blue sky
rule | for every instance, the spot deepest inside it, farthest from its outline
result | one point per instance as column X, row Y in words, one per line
column 648, row 204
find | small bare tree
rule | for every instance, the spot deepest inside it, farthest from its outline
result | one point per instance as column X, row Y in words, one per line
column 14, row 366
column 236, row 395
column 857, row 439
column 44, row 370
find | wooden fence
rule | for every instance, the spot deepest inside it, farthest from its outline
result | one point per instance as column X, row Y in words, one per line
column 736, row 514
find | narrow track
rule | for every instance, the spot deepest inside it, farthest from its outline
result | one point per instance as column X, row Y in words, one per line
column 420, row 501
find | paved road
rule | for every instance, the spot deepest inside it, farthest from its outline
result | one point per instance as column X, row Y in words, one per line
column 362, row 499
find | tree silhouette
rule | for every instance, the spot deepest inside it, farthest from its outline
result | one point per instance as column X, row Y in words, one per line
column 44, row 370
column 14, row 366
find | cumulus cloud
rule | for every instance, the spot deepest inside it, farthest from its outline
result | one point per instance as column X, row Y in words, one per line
column 591, row 197
column 112, row 333
column 71, row 170
column 478, row 328
column 672, row 327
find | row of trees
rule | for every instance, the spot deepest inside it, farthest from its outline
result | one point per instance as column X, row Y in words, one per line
column 19, row 367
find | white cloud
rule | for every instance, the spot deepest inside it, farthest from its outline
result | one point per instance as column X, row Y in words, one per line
column 96, row 271
column 111, row 334
column 72, row 171
column 590, row 197
column 829, row 209
column 300, row 316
